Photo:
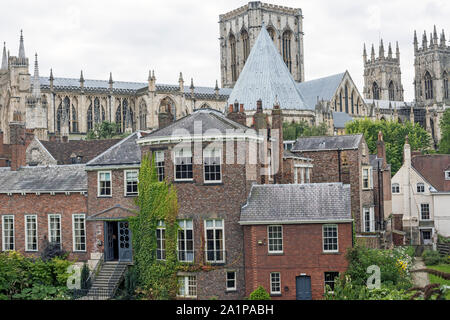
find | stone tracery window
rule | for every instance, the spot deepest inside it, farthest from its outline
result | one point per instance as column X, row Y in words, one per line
column 245, row 44
column 391, row 90
column 375, row 91
column 428, row 86
column 74, row 120
column 271, row 32
column 346, row 99
column 287, row 35
column 142, row 115
column 445, row 83
column 233, row 58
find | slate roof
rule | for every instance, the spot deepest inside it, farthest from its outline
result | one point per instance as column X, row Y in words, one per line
column 44, row 179
column 320, row 89
column 266, row 77
column 208, row 118
column 384, row 104
column 291, row 203
column 432, row 168
column 125, row 152
column 87, row 149
column 344, row 142
column 375, row 161
column 287, row 155
column 73, row 84
column 340, row 119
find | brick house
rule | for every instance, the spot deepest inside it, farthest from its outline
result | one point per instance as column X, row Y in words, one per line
column 40, row 204
column 346, row 159
column 295, row 238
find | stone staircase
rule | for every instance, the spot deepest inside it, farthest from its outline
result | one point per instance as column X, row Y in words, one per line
column 107, row 281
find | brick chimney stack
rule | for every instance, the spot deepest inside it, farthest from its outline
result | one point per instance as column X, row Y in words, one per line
column 277, row 134
column 259, row 118
column 18, row 144
column 236, row 113
column 381, row 148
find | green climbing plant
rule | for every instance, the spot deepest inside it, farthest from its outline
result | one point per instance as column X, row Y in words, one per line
column 157, row 279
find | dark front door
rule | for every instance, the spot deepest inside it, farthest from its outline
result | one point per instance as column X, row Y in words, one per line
column 111, row 244
column 124, row 241
column 303, row 287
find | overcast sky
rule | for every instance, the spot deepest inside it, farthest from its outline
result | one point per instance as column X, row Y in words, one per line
column 130, row 37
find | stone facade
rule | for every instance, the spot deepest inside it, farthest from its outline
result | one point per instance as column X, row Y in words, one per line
column 382, row 75
column 240, row 27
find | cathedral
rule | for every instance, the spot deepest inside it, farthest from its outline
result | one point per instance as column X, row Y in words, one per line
column 261, row 59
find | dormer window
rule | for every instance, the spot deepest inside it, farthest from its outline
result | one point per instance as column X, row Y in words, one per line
column 420, row 187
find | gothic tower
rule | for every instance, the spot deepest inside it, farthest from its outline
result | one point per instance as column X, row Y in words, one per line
column 239, row 29
column 432, row 70
column 382, row 75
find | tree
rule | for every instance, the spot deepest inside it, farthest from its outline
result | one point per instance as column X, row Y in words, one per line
column 394, row 134
column 157, row 201
column 444, row 144
column 292, row 131
column 104, row 130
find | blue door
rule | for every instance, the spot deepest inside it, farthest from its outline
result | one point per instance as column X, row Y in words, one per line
column 125, row 249
column 303, row 287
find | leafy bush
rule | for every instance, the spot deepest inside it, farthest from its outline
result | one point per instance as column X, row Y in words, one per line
column 130, row 281
column 431, row 257
column 52, row 250
column 84, row 277
column 26, row 278
column 259, row 294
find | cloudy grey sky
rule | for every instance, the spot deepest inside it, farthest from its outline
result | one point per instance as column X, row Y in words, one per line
column 130, row 37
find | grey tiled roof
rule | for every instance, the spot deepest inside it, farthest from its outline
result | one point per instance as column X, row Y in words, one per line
column 320, row 89
column 387, row 104
column 207, row 118
column 130, row 87
column 290, row 203
column 340, row 119
column 344, row 142
column 125, row 152
column 287, row 154
column 266, row 77
column 44, row 179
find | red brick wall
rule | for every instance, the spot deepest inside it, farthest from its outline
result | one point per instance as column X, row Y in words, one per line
column 42, row 205
column 302, row 254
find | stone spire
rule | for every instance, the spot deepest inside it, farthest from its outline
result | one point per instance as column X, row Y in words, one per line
column 397, row 52
column 389, row 51
column 435, row 37
column 216, row 88
column 424, row 40
column 381, row 50
column 192, row 87
column 364, row 54
column 51, row 79
column 372, row 53
column 81, row 80
column 110, row 81
column 36, row 84
column 442, row 38
column 21, row 47
column 4, row 58
column 431, row 40
column 181, row 82
column 416, row 44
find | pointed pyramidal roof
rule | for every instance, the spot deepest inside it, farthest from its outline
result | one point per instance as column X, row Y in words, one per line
column 265, row 76
column 4, row 58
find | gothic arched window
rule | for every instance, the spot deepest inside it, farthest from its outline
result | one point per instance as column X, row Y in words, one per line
column 287, row 49
column 74, row 120
column 428, row 86
column 391, row 91
column 271, row 33
column 357, row 106
column 245, row 44
column 67, row 110
column 352, row 103
column 445, row 82
column 119, row 117
column 340, row 101
column 90, row 125
column 58, row 118
column 233, row 58
column 375, row 91
column 346, row 99
column 96, row 110
column 142, row 115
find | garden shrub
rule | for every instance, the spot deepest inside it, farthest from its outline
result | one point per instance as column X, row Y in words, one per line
column 431, row 257
column 84, row 281
column 52, row 250
column 260, row 294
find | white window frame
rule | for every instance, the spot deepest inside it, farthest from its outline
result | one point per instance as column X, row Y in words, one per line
column 447, row 175
column 183, row 227
column 337, row 238
column 161, row 229
column 50, row 229
column 159, row 157
column 98, row 184
column 325, row 281
column 371, row 211
column 272, row 282
column 369, row 178
column 13, row 232
column 269, row 238
column 429, row 212
column 27, row 249
column 227, row 279
column 422, row 186
column 307, row 175
column 395, row 185
column 214, row 228
column 183, row 282
column 211, row 152
column 73, row 232
column 176, row 154
column 125, row 182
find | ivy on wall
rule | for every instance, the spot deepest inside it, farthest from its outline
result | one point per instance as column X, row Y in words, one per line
column 157, row 279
